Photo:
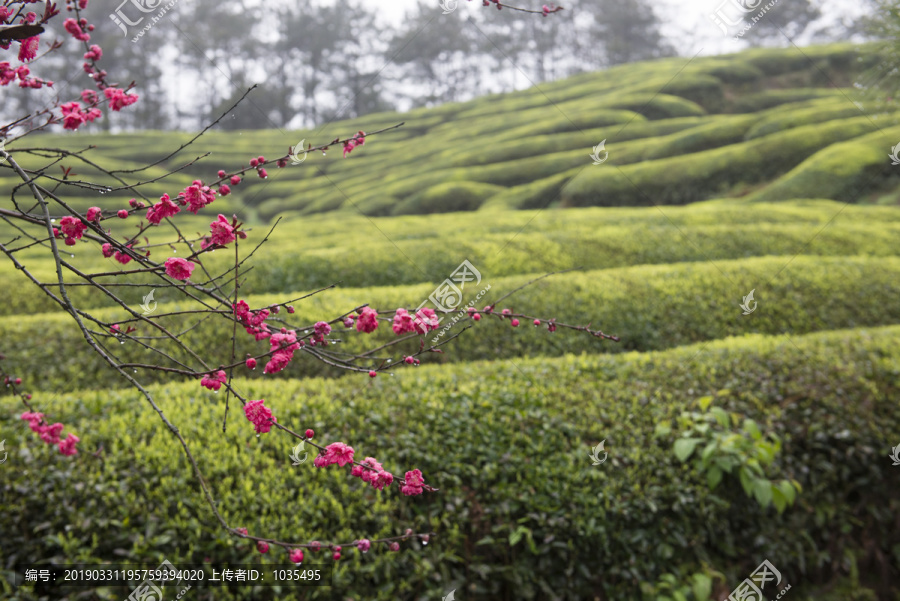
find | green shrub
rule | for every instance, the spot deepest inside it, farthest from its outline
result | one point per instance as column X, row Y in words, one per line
column 447, row 198
column 701, row 303
column 720, row 132
column 704, row 90
column 735, row 72
column 845, row 171
column 774, row 61
column 521, row 512
column 658, row 106
column 820, row 112
column 702, row 175
column 310, row 253
column 773, row 98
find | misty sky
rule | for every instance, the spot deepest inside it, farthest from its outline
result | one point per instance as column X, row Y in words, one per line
column 685, row 20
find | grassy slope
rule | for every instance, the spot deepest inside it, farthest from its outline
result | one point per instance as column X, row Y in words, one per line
column 734, row 121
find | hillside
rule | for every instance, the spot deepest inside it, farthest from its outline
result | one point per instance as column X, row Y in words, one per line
column 765, row 124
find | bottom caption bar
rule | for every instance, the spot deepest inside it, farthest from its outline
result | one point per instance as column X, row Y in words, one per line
column 148, row 582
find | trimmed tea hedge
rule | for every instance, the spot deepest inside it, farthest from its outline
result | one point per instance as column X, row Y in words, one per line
column 323, row 253
column 521, row 512
column 846, row 171
column 702, row 175
column 650, row 307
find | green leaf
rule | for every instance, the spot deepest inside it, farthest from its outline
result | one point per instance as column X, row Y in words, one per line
column 713, row 477
column 516, row 535
column 684, row 447
column 788, row 490
column 663, row 428
column 679, row 596
column 766, row 452
column 778, row 499
column 726, row 464
column 762, row 490
column 751, row 428
column 704, row 402
column 710, row 448
column 746, row 479
column 702, row 587
column 721, row 416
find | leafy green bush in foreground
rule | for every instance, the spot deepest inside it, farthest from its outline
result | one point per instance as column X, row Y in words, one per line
column 522, row 513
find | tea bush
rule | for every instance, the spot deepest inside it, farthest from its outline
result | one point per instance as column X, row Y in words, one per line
column 651, row 307
column 521, row 512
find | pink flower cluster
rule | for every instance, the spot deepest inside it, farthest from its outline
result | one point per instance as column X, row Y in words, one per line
column 50, row 434
column 122, row 257
column 403, row 322
column 367, row 321
column 75, row 28
column 224, row 232
column 94, row 54
column 259, row 415
column 284, row 344
column 118, row 99
column 178, row 268
column 253, row 321
column 258, row 163
column 214, row 381
column 322, row 329
column 546, row 10
column 164, row 208
column 197, row 196
column 336, row 452
column 8, row 75
column 425, row 320
column 28, row 49
column 74, row 116
column 72, row 228
column 358, row 140
column 376, row 476
column 413, row 484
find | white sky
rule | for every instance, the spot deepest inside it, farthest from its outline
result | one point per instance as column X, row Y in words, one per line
column 686, row 20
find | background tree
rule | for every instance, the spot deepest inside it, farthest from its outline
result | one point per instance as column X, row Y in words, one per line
column 613, row 32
